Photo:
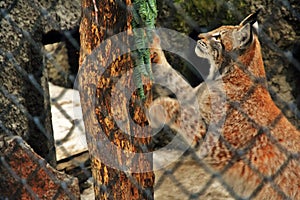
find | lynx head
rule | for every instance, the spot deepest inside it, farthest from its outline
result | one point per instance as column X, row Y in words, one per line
column 225, row 43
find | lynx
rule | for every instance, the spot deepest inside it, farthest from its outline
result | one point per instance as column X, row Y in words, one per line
column 257, row 151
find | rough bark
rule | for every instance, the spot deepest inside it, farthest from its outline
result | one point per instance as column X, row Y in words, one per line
column 111, row 183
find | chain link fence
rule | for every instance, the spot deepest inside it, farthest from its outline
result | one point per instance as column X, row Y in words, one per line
column 40, row 43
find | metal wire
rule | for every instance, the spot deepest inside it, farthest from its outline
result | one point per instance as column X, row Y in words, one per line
column 46, row 14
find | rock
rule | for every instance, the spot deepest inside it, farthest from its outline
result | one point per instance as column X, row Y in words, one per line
column 68, row 127
column 58, row 66
column 24, row 95
column 25, row 175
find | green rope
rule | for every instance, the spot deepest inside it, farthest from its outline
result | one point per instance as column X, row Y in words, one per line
column 144, row 16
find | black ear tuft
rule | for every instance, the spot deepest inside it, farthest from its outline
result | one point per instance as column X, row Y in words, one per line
column 251, row 19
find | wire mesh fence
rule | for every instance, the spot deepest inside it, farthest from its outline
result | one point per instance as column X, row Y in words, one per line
column 40, row 42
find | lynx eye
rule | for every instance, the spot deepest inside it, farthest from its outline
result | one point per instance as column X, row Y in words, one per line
column 217, row 36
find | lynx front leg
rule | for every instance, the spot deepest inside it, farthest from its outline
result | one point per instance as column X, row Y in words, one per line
column 184, row 119
column 168, row 77
column 181, row 114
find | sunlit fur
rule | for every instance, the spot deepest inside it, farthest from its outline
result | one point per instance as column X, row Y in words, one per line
column 258, row 147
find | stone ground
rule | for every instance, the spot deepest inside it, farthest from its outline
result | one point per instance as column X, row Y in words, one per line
column 185, row 179
column 179, row 182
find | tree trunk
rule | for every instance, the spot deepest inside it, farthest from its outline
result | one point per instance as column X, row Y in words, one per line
column 120, row 167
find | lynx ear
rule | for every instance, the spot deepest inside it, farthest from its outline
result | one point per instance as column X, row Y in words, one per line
column 248, row 27
column 252, row 20
column 243, row 37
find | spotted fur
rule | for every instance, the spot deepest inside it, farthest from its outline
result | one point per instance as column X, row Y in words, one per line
column 257, row 152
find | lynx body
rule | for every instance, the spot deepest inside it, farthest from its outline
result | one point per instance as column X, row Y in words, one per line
column 257, row 153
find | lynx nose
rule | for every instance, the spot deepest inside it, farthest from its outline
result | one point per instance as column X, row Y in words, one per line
column 201, row 43
column 201, row 36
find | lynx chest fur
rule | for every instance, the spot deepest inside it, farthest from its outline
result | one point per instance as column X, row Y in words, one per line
column 259, row 142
